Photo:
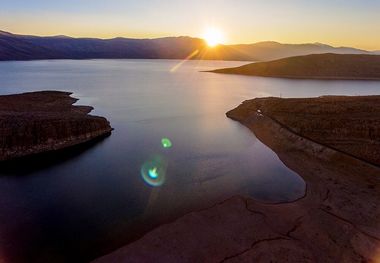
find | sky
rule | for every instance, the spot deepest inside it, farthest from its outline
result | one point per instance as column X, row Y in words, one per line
column 354, row 23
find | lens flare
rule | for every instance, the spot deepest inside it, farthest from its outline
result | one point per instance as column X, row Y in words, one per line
column 153, row 171
column 177, row 66
column 166, row 143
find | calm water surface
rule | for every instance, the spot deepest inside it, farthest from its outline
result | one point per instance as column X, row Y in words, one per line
column 83, row 204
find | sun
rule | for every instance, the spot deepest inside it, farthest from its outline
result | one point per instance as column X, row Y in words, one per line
column 213, row 36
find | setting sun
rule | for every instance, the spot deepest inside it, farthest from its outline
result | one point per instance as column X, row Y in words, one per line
column 213, row 36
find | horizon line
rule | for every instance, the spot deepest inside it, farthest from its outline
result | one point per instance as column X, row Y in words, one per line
column 187, row 36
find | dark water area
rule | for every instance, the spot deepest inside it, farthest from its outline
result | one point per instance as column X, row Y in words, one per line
column 75, row 205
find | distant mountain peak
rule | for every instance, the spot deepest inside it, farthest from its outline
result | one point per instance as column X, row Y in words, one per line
column 321, row 44
column 267, row 43
column 275, row 43
column 61, row 36
column 5, row 33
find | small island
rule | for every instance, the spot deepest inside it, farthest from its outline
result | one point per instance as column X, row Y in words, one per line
column 315, row 66
column 38, row 122
column 332, row 142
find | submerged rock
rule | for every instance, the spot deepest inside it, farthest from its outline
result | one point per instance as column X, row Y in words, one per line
column 43, row 121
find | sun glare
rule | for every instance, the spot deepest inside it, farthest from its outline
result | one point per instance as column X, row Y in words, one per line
column 213, row 36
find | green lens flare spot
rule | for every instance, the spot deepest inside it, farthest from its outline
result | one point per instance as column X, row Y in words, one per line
column 166, row 143
column 153, row 172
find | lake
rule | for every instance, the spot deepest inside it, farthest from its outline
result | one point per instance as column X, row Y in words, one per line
column 78, row 205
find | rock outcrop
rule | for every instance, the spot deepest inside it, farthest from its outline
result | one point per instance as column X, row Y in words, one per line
column 347, row 124
column 43, row 121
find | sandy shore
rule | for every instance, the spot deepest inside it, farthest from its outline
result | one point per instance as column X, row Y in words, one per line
column 336, row 221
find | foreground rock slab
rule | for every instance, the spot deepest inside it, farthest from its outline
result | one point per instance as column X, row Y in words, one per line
column 350, row 124
column 44, row 121
column 337, row 220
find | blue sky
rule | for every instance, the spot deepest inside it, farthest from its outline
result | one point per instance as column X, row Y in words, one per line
column 336, row 22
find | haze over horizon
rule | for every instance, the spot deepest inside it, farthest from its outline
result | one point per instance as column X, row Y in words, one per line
column 194, row 37
column 344, row 23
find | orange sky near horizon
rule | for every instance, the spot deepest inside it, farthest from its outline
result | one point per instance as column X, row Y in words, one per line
column 338, row 23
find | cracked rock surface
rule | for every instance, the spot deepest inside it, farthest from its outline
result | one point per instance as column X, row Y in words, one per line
column 350, row 124
column 43, row 121
column 337, row 220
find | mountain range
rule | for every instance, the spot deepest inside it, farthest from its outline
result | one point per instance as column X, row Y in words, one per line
column 28, row 47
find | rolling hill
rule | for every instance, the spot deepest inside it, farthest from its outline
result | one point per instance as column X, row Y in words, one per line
column 316, row 66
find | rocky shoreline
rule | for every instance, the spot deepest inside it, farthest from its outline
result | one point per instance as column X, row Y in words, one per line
column 37, row 122
column 336, row 220
column 344, row 123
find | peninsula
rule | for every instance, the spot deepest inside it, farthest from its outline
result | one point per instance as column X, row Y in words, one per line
column 315, row 66
column 37, row 122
